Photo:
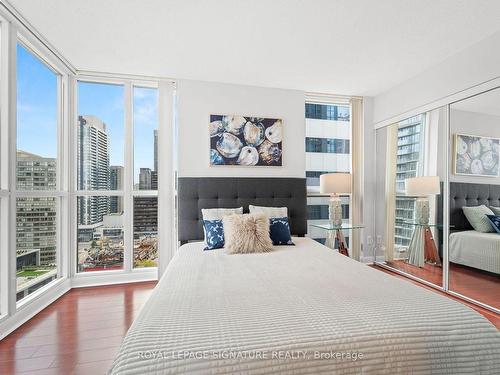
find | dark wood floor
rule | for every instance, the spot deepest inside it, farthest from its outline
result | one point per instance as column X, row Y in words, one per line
column 78, row 334
column 475, row 284
column 491, row 316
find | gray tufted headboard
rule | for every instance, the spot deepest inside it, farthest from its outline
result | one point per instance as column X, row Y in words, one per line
column 195, row 193
column 467, row 194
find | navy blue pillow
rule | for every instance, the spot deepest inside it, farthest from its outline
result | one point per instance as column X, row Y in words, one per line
column 495, row 222
column 214, row 234
column 279, row 230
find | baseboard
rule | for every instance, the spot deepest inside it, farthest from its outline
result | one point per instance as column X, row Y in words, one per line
column 29, row 310
column 110, row 278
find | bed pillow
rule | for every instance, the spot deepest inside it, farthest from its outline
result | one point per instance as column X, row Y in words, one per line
column 495, row 222
column 247, row 233
column 477, row 218
column 218, row 213
column 214, row 234
column 496, row 210
column 211, row 214
column 279, row 230
column 269, row 211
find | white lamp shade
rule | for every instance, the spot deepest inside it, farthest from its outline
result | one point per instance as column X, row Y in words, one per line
column 422, row 186
column 335, row 183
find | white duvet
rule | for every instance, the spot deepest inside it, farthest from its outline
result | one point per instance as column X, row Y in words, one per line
column 300, row 310
column 476, row 249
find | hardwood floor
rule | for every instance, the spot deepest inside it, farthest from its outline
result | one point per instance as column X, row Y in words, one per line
column 491, row 316
column 475, row 284
column 80, row 333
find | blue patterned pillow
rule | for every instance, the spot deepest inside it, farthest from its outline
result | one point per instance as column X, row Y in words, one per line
column 214, row 234
column 279, row 230
column 495, row 222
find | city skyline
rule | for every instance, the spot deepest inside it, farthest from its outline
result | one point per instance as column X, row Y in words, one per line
column 37, row 110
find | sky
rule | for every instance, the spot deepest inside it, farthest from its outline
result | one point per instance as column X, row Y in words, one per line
column 37, row 113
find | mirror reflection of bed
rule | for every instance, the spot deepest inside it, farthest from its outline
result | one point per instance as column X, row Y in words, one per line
column 459, row 145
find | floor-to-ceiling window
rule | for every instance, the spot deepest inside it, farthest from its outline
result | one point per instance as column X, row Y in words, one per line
column 328, row 150
column 117, row 176
column 145, row 192
column 37, row 202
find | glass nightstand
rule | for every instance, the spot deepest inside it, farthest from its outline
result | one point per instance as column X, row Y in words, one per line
column 336, row 234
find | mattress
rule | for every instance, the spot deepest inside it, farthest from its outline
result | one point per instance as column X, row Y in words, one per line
column 301, row 309
column 476, row 249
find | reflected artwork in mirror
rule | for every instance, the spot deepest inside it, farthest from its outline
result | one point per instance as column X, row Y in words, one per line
column 474, row 243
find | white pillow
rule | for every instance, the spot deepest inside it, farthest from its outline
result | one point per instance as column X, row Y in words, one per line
column 271, row 212
column 219, row 213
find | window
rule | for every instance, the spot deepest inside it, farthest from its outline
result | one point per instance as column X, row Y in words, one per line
column 100, row 234
column 117, row 208
column 328, row 139
column 36, row 171
column 408, row 165
column 145, row 201
column 100, row 168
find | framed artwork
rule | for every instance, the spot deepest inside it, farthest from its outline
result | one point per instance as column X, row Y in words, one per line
column 476, row 155
column 246, row 141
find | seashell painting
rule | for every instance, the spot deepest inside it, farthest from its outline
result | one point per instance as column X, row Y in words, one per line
column 476, row 155
column 245, row 140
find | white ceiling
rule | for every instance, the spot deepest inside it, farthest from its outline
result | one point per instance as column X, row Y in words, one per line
column 486, row 103
column 359, row 47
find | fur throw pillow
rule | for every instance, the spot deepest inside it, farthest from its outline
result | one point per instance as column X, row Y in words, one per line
column 247, row 233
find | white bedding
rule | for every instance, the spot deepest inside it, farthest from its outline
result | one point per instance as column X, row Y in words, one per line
column 300, row 301
column 476, row 249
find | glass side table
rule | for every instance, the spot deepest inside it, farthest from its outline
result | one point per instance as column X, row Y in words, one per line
column 422, row 248
column 336, row 234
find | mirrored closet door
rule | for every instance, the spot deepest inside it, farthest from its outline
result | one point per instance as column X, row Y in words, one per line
column 474, row 212
column 410, row 170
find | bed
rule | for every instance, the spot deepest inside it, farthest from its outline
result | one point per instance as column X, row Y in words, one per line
column 467, row 246
column 301, row 309
column 475, row 249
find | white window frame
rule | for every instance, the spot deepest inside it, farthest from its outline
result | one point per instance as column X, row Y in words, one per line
column 165, row 131
column 14, row 31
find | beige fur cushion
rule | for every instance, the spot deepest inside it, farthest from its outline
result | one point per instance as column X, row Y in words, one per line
column 247, row 233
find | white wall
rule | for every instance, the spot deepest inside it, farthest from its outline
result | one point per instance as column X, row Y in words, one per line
column 473, row 123
column 197, row 100
column 473, row 66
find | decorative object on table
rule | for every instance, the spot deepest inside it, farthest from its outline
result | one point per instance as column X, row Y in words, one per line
column 422, row 247
column 335, row 184
column 247, row 233
column 245, row 141
column 476, row 155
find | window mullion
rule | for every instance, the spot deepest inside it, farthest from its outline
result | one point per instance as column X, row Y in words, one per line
column 128, row 181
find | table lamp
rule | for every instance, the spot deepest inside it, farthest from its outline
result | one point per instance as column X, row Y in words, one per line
column 335, row 184
column 422, row 188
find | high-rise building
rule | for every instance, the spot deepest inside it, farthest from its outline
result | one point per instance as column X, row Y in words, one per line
column 154, row 180
column 36, row 216
column 93, row 169
column 155, row 134
column 145, row 215
column 328, row 142
column 115, row 183
column 145, row 179
column 408, row 165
